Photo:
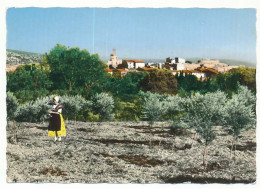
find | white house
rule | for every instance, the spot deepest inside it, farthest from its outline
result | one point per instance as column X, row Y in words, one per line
column 134, row 64
column 176, row 63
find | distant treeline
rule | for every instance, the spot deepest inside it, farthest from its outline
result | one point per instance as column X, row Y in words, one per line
column 71, row 71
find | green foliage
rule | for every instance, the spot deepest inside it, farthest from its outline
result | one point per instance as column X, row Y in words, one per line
column 74, row 105
column 37, row 111
column 92, row 117
column 240, row 113
column 44, row 65
column 154, row 108
column 246, row 77
column 103, row 105
column 227, row 82
column 175, row 107
column 24, row 96
column 188, row 84
column 202, row 112
column 159, row 81
column 12, row 105
column 126, row 86
column 74, row 68
column 127, row 111
column 28, row 82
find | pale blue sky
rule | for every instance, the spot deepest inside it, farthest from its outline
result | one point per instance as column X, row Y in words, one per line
column 137, row 33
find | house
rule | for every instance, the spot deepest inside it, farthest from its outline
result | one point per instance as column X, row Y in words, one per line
column 138, row 64
column 123, row 72
column 175, row 64
column 209, row 72
column 131, row 64
column 110, row 71
column 197, row 73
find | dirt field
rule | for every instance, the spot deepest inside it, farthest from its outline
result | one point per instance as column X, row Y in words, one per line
column 11, row 68
column 126, row 152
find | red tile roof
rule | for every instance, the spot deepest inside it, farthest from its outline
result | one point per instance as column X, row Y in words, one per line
column 121, row 70
column 128, row 60
column 138, row 61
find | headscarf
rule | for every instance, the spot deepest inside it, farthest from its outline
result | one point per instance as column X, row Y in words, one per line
column 56, row 98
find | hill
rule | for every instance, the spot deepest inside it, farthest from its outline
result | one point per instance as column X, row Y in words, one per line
column 14, row 57
column 230, row 62
column 23, row 52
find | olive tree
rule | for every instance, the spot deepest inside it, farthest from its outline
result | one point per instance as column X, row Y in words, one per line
column 103, row 105
column 240, row 114
column 37, row 111
column 154, row 108
column 72, row 106
column 202, row 112
column 12, row 106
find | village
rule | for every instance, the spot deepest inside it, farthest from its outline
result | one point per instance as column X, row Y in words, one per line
column 203, row 69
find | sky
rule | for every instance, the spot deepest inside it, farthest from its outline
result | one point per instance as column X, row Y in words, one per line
column 144, row 33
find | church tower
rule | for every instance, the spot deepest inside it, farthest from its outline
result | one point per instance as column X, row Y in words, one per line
column 113, row 56
column 114, row 62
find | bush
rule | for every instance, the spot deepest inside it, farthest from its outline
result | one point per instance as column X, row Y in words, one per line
column 154, row 107
column 159, row 81
column 103, row 105
column 73, row 106
column 126, row 111
column 175, row 107
column 240, row 113
column 202, row 112
column 37, row 111
column 12, row 105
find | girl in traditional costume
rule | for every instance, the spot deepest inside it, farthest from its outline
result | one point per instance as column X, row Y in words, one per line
column 56, row 126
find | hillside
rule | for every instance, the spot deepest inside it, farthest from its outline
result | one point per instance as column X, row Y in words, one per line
column 126, row 152
column 230, row 62
column 14, row 57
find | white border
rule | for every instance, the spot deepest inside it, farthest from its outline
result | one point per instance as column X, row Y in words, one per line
column 111, row 3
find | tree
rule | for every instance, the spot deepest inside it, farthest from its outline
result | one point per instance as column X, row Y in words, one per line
column 153, row 108
column 76, row 69
column 202, row 112
column 240, row 115
column 12, row 105
column 246, row 77
column 28, row 78
column 159, row 81
column 189, row 83
column 103, row 105
column 37, row 111
column 174, row 106
column 227, row 82
column 73, row 105
column 126, row 86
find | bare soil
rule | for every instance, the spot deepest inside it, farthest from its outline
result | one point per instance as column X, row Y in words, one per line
column 126, row 152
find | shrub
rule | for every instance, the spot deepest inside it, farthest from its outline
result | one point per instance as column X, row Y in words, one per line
column 240, row 115
column 202, row 112
column 12, row 105
column 103, row 105
column 73, row 106
column 154, row 107
column 36, row 111
column 175, row 107
column 159, row 81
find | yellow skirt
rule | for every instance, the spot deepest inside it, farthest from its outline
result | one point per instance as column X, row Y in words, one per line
column 61, row 132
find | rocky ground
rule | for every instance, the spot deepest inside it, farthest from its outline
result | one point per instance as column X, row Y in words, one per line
column 126, row 152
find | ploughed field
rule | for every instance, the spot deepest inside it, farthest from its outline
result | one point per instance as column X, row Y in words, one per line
column 126, row 152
